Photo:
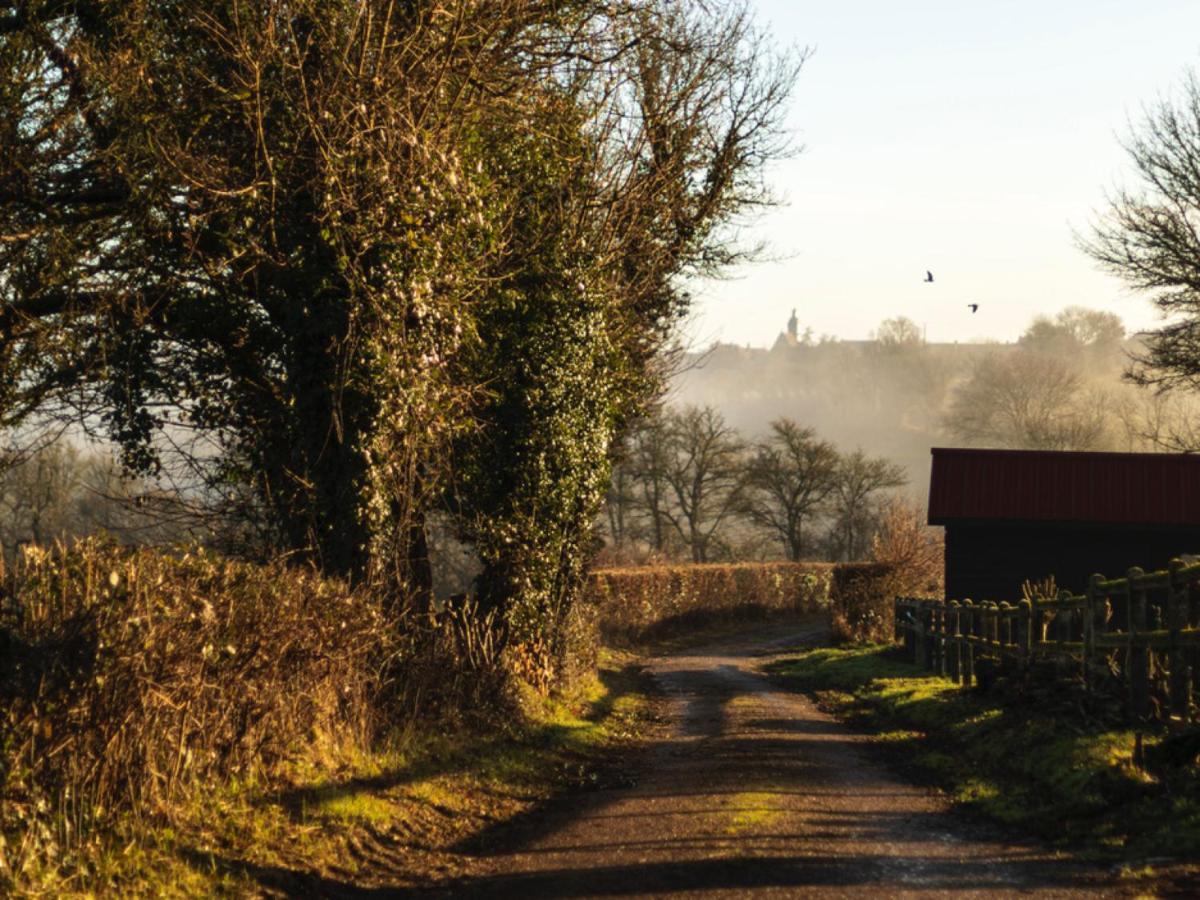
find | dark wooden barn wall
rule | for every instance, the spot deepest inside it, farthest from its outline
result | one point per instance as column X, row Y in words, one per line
column 990, row 561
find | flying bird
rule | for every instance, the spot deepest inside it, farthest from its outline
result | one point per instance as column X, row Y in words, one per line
column 974, row 307
column 928, row 277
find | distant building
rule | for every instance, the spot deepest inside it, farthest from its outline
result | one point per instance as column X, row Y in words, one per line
column 789, row 338
column 1012, row 515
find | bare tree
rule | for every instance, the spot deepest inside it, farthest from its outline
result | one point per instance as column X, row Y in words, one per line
column 37, row 496
column 619, row 506
column 1026, row 401
column 1086, row 339
column 649, row 463
column 703, row 471
column 860, row 479
column 1149, row 235
column 1166, row 421
column 898, row 333
column 61, row 492
column 789, row 478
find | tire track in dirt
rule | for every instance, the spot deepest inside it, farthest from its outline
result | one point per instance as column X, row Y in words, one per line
column 752, row 791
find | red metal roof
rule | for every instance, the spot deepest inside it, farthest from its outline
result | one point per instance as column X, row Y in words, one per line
column 1105, row 488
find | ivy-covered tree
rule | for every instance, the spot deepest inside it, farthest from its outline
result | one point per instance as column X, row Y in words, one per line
column 247, row 232
column 351, row 258
column 624, row 195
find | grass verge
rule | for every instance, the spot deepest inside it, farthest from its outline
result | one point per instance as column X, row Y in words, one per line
column 1050, row 770
column 396, row 818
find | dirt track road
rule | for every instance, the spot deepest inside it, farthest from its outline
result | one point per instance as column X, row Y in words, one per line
column 753, row 791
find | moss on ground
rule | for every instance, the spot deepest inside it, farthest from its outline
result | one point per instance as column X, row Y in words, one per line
column 753, row 810
column 1057, row 773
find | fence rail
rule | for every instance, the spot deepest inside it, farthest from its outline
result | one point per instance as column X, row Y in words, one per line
column 1143, row 629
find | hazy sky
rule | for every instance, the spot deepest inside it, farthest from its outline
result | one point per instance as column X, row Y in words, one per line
column 969, row 137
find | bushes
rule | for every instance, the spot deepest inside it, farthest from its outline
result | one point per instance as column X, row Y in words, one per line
column 651, row 601
column 129, row 678
column 908, row 559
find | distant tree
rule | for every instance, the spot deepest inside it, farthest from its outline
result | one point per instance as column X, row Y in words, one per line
column 38, row 496
column 1026, row 401
column 789, row 477
column 859, row 481
column 897, row 333
column 704, row 472
column 648, row 465
column 58, row 492
column 619, row 502
column 1076, row 334
column 1149, row 235
column 1167, row 421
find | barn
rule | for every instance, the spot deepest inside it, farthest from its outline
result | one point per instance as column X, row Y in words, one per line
column 1012, row 515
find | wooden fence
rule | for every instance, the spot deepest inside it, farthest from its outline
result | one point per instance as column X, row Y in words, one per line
column 1143, row 629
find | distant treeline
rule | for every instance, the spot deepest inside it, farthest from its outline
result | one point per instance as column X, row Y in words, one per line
column 689, row 486
column 1061, row 386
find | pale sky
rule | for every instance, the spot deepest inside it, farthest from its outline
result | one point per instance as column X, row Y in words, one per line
column 968, row 137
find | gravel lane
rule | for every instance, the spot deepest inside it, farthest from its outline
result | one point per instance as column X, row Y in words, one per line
column 753, row 791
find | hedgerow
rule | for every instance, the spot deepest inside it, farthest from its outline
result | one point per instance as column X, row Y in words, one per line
column 638, row 603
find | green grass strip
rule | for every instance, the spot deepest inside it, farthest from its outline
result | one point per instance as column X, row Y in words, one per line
column 1042, row 765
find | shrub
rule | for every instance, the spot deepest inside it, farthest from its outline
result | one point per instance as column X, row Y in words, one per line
column 907, row 559
column 128, row 678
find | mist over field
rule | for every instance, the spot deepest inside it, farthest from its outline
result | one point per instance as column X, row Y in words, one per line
column 1061, row 386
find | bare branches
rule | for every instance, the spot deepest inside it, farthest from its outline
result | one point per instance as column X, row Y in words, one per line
column 1150, row 236
column 1028, row 401
column 789, row 479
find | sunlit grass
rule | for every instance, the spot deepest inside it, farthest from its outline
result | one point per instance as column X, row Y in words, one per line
column 357, row 806
column 1051, row 772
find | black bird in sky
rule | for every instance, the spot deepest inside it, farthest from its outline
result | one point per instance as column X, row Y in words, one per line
column 974, row 307
column 928, row 277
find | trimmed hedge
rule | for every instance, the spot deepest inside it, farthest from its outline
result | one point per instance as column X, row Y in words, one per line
column 642, row 603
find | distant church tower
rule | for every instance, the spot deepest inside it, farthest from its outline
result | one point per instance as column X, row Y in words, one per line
column 789, row 338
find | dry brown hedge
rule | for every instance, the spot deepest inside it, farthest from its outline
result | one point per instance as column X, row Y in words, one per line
column 128, row 678
column 640, row 603
column 908, row 559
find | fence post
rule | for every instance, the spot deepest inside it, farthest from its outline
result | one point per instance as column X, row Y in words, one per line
column 968, row 644
column 931, row 611
column 928, row 616
column 1138, row 656
column 942, row 646
column 918, row 635
column 1025, row 635
column 1094, row 596
column 1176, row 621
column 953, row 629
column 1062, row 620
column 1007, row 646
